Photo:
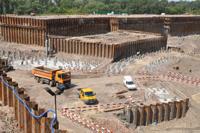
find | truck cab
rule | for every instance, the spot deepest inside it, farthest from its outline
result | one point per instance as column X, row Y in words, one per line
column 87, row 96
column 63, row 77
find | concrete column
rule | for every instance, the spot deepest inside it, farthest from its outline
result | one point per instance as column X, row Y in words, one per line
column 93, row 49
column 141, row 118
column 61, row 45
column 110, row 51
column 9, row 93
column 43, row 121
column 1, row 82
column 20, row 110
column 96, row 49
column 70, row 46
column 129, row 115
column 47, row 122
column 81, row 48
column 135, row 116
column 89, row 49
column 5, row 91
column 27, row 116
column 187, row 104
column 67, row 46
column 66, row 43
column 58, row 44
column 15, row 100
column 178, row 109
column 77, row 47
column 10, row 96
column 160, row 112
column 166, row 111
column 37, row 124
column 86, row 48
column 148, row 115
column 184, row 108
column 106, row 51
column 154, row 113
column 172, row 110
column 100, row 50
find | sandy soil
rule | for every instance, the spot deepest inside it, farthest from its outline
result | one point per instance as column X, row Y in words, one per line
column 7, row 122
column 189, row 44
column 117, row 37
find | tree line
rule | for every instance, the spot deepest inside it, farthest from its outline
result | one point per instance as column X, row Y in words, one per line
column 98, row 7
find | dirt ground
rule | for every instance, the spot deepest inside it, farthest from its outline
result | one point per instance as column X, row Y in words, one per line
column 7, row 122
column 106, row 86
column 117, row 37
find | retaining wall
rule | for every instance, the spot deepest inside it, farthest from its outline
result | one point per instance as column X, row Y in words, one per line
column 143, row 115
column 35, row 30
column 184, row 25
column 148, row 24
column 78, row 26
column 23, row 30
column 98, row 49
column 26, row 122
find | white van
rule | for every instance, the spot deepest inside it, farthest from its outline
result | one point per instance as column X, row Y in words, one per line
column 128, row 82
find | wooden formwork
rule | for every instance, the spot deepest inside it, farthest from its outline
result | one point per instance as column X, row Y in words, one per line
column 26, row 122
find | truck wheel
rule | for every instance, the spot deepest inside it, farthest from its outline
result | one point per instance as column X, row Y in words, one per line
column 57, row 84
column 129, row 116
column 38, row 80
column 42, row 80
column 51, row 83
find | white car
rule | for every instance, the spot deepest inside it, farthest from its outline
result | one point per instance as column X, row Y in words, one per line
column 128, row 82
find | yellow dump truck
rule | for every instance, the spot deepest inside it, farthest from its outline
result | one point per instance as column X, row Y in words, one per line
column 87, row 96
column 59, row 78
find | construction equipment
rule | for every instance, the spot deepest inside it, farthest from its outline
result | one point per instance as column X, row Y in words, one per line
column 87, row 96
column 5, row 65
column 58, row 77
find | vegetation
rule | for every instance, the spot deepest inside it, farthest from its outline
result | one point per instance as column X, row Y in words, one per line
column 99, row 6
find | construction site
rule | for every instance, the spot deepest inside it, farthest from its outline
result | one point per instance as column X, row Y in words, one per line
column 88, row 63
